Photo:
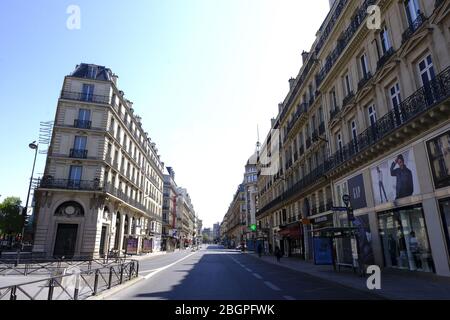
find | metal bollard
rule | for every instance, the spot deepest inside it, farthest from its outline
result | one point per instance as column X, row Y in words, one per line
column 137, row 268
column 110, row 277
column 13, row 293
column 131, row 271
column 95, row 283
column 50, row 289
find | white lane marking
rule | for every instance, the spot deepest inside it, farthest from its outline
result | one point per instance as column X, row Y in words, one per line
column 145, row 271
column 289, row 298
column 249, row 270
column 165, row 267
column 256, row 275
column 272, row 286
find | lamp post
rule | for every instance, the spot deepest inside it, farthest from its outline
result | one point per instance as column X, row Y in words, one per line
column 33, row 146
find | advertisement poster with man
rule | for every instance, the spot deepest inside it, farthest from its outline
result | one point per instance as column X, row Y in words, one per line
column 395, row 178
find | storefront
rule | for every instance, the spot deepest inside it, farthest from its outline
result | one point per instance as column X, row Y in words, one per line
column 292, row 239
column 404, row 239
column 444, row 206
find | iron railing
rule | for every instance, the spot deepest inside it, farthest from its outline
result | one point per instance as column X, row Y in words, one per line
column 78, row 153
column 86, row 97
column 334, row 112
column 385, row 58
column 418, row 103
column 74, row 285
column 50, row 183
column 82, row 124
column 413, row 27
column 365, row 79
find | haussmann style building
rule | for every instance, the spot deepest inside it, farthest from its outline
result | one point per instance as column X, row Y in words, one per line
column 367, row 116
column 102, row 189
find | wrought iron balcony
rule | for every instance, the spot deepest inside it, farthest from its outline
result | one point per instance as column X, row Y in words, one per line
column 308, row 143
column 315, row 136
column 329, row 205
column 413, row 27
column 301, row 150
column 364, row 80
column 321, row 208
column 314, row 211
column 69, row 184
column 334, row 113
column 425, row 98
column 87, row 97
column 83, row 124
column 348, row 98
column 301, row 110
column 386, row 56
column 295, row 156
column 78, row 153
column 344, row 40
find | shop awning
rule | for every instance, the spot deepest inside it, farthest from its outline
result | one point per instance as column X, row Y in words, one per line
column 294, row 231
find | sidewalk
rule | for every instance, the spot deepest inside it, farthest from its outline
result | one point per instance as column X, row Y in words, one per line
column 395, row 284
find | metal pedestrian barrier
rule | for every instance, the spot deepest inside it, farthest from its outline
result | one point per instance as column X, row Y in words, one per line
column 73, row 283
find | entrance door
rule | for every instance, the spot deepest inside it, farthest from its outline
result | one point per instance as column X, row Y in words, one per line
column 66, row 238
column 102, row 241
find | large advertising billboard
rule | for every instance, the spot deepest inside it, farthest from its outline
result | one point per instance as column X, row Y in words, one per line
column 357, row 192
column 395, row 178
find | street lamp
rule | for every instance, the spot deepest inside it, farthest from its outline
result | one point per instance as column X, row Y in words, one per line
column 34, row 147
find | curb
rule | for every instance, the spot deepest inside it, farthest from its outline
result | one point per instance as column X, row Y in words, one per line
column 379, row 296
column 109, row 292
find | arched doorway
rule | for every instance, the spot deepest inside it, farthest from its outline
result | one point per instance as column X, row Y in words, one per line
column 66, row 233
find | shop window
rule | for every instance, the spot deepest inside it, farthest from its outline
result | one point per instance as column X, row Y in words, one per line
column 445, row 212
column 439, row 154
column 404, row 239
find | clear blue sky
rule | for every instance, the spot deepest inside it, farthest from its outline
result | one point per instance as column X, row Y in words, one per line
column 201, row 73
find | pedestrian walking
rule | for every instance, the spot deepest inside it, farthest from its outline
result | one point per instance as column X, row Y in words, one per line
column 259, row 249
column 278, row 253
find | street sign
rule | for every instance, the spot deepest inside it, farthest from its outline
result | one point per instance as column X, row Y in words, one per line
column 346, row 199
column 339, row 208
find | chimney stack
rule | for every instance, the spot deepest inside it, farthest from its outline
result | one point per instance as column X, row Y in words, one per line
column 304, row 56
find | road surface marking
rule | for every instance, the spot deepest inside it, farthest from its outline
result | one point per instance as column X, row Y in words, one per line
column 168, row 266
column 256, row 275
column 289, row 298
column 249, row 270
column 272, row 286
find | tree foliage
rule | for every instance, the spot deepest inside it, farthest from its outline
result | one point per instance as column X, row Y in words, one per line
column 10, row 216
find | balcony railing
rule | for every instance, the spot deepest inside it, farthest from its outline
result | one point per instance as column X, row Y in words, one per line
column 334, row 113
column 301, row 150
column 295, row 156
column 413, row 27
column 348, row 98
column 70, row 184
column 386, row 56
column 82, row 124
column 302, row 110
column 87, row 97
column 315, row 136
column 78, row 153
column 419, row 102
column 344, row 40
column 308, row 143
column 364, row 80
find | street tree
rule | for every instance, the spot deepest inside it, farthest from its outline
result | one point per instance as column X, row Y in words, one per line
column 10, row 216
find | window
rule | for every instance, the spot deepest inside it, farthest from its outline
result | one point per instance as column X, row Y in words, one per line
column 92, row 72
column 88, row 92
column 372, row 114
column 353, row 130
column 385, row 42
column 75, row 174
column 333, row 99
column 364, row 67
column 395, row 102
column 439, row 154
column 347, row 84
column 80, row 143
column 412, row 10
column 84, row 114
column 426, row 70
column 339, row 141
